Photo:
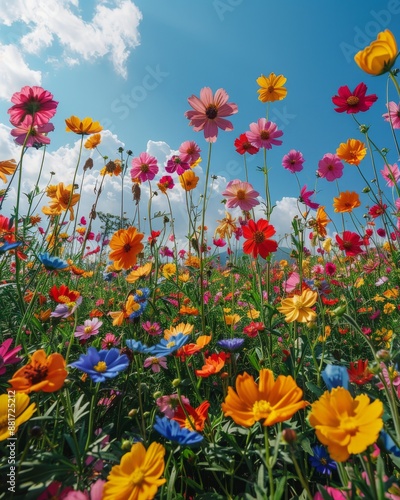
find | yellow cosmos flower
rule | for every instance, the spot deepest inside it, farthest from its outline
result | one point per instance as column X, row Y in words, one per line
column 226, row 226
column 379, row 56
column 82, row 127
column 188, row 180
column 231, row 319
column 327, row 245
column 63, row 199
column 140, row 272
column 112, row 168
column 271, row 88
column 352, row 152
column 391, row 293
column 185, row 328
column 137, row 476
column 347, row 201
column 18, row 406
column 346, row 425
column 93, row 141
column 270, row 400
column 298, row 307
column 253, row 314
column 389, row 308
column 169, row 270
column 7, row 167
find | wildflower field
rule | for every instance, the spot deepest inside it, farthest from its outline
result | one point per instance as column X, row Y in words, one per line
column 135, row 367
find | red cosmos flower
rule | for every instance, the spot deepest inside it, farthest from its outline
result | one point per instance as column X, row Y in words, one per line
column 63, row 295
column 214, row 364
column 350, row 243
column 33, row 101
column 359, row 373
column 254, row 328
column 192, row 418
column 153, row 238
column 243, row 145
column 377, row 210
column 353, row 102
column 257, row 235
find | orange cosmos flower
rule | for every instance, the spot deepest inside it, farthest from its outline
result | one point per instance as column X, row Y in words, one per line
column 214, row 364
column 379, row 56
column 112, row 168
column 63, row 199
column 192, row 418
column 125, row 245
column 272, row 88
column 188, row 180
column 93, row 141
column 347, row 201
column 352, row 152
column 7, row 167
column 191, row 311
column 320, row 222
column 271, row 401
column 139, row 272
column 82, row 127
column 190, row 349
column 298, row 307
column 42, row 373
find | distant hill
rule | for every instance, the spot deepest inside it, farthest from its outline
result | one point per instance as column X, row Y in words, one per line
column 281, row 254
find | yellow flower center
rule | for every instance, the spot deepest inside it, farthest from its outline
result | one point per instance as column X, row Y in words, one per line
column 87, row 329
column 261, row 409
column 63, row 299
column 100, row 367
column 297, row 302
column 241, row 194
column 352, row 100
column 137, row 477
column 349, row 425
column 170, row 344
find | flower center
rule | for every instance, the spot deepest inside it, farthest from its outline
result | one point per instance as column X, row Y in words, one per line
column 297, row 302
column 87, row 329
column 271, row 89
column 212, row 111
column 127, row 247
column 348, row 424
column 241, row 194
column 35, row 373
column 100, row 367
column 137, row 477
column 352, row 100
column 144, row 168
column 63, row 299
column 347, row 244
column 259, row 237
column 170, row 344
column 264, row 135
column 261, row 409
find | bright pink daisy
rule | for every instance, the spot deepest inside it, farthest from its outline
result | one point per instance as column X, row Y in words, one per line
column 30, row 134
column 189, row 152
column 243, row 145
column 176, row 164
column 293, row 161
column 391, row 174
column 393, row 116
column 89, row 328
column 220, row 242
column 209, row 112
column 305, row 197
column 330, row 167
column 144, row 167
column 350, row 243
column 7, row 355
column 353, row 102
column 264, row 134
column 240, row 194
column 35, row 102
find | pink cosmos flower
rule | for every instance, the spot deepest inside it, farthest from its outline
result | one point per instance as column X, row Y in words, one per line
column 333, row 493
column 189, row 152
column 391, row 174
column 391, row 378
column 210, row 112
column 291, row 283
column 32, row 101
column 393, row 116
column 8, row 357
column 305, row 198
column 144, row 167
column 31, row 134
column 330, row 167
column 152, row 328
column 89, row 328
column 293, row 161
column 169, row 404
column 176, row 164
column 155, row 363
column 109, row 341
column 240, row 194
column 95, row 493
column 264, row 134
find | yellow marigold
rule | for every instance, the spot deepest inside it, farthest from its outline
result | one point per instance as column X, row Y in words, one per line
column 272, row 88
column 137, row 477
column 18, row 406
column 383, row 336
column 192, row 261
column 93, row 141
column 346, row 425
column 188, row 180
column 253, row 314
column 352, row 152
column 359, row 282
column 270, row 401
column 82, row 127
column 386, row 246
column 226, row 226
column 51, row 190
column 347, row 201
column 140, row 272
column 391, row 293
column 298, row 307
column 169, row 270
column 184, row 277
column 389, row 308
column 231, row 319
column 7, row 167
column 378, row 298
column 379, row 56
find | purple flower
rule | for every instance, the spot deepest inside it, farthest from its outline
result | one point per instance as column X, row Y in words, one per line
column 231, row 344
column 65, row 310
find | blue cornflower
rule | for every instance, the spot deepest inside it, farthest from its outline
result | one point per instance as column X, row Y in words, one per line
column 335, row 376
column 102, row 365
column 321, row 460
column 388, row 444
column 137, row 346
column 5, row 246
column 171, row 430
column 52, row 263
column 167, row 346
column 141, row 306
column 231, row 344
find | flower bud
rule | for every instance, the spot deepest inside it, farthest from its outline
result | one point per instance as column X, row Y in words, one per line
column 126, row 445
column 176, row 382
column 133, row 413
column 289, row 436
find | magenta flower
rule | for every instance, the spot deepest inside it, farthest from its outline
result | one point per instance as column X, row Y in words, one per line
column 391, row 174
column 31, row 134
column 330, row 167
column 169, row 404
column 293, row 161
column 89, row 328
column 176, row 164
column 144, row 167
column 305, row 197
column 264, row 134
column 109, row 341
column 393, row 115
column 241, row 194
column 220, row 242
column 8, row 357
column 35, row 102
column 189, row 152
column 155, row 363
column 210, row 112
column 152, row 328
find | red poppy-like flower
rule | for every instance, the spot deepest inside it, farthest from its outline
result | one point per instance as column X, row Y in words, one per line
column 353, row 102
column 359, row 372
column 192, row 418
column 243, row 145
column 258, row 236
column 63, row 295
column 350, row 243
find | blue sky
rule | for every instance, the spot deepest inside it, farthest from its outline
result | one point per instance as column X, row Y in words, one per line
column 133, row 64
